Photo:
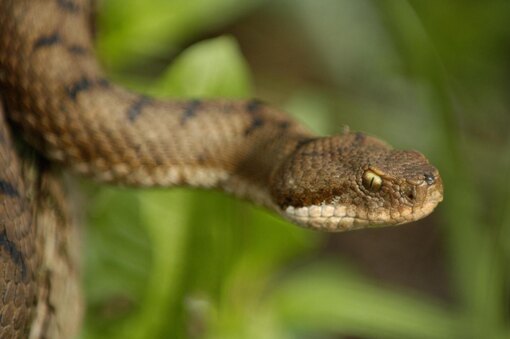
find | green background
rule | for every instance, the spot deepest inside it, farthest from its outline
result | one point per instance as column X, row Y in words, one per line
column 426, row 75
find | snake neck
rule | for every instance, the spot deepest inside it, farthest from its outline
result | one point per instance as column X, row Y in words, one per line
column 57, row 94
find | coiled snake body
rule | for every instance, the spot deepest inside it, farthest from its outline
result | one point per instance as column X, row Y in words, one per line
column 57, row 98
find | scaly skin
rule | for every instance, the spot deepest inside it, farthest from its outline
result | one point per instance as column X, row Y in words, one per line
column 58, row 99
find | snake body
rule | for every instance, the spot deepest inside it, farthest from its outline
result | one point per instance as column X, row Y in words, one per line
column 58, row 99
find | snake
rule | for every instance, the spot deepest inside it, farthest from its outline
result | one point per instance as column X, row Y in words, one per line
column 61, row 112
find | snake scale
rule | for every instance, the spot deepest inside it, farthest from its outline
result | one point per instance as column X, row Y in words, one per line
column 56, row 99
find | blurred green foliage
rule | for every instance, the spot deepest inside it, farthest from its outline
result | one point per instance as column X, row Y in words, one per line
column 195, row 264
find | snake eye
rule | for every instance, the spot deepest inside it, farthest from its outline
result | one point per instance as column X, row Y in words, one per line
column 371, row 181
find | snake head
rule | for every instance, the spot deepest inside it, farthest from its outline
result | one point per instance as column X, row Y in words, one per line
column 353, row 181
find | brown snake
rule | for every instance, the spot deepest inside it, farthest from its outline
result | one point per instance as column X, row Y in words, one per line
column 56, row 97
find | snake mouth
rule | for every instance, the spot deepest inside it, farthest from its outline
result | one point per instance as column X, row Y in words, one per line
column 327, row 217
column 339, row 218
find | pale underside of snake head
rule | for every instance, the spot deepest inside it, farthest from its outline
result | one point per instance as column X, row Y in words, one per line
column 353, row 181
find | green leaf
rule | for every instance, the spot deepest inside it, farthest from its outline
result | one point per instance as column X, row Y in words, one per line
column 168, row 229
column 326, row 299
column 118, row 256
column 132, row 29
column 210, row 68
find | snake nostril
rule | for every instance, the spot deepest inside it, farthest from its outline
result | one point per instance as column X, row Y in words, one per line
column 429, row 178
column 410, row 195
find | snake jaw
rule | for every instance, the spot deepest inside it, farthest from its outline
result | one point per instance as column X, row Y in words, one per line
column 325, row 217
column 340, row 217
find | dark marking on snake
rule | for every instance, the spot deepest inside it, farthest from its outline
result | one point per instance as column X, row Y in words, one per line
column 79, row 86
column 47, row 40
column 159, row 161
column 14, row 253
column 77, row 50
column 284, row 124
column 190, row 111
column 201, row 159
column 256, row 122
column 7, row 189
column 254, row 106
column 313, row 154
column 359, row 138
column 136, row 108
column 304, row 141
column 103, row 82
column 137, row 148
column 68, row 6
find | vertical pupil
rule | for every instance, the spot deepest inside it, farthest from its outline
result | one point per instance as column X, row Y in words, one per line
column 371, row 181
